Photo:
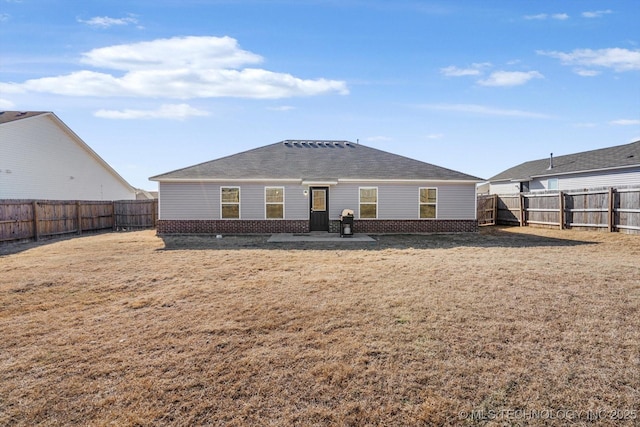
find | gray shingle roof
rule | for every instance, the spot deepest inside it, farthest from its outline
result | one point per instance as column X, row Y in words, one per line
column 620, row 156
column 10, row 116
column 315, row 160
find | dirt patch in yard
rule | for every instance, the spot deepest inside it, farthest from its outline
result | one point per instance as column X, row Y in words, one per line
column 505, row 327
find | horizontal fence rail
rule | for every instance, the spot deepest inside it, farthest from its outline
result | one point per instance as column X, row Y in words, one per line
column 36, row 219
column 613, row 209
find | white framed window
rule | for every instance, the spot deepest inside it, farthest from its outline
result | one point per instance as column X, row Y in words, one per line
column 274, row 202
column 229, row 202
column 552, row 184
column 368, row 202
column 428, row 202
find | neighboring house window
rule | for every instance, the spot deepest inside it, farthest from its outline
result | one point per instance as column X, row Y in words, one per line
column 552, row 184
column 368, row 202
column 428, row 202
column 230, row 202
column 274, row 202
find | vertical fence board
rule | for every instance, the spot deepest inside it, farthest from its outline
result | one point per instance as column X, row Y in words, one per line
column 508, row 210
column 487, row 209
column 16, row 220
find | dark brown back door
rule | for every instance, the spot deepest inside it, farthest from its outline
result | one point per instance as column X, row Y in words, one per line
column 319, row 205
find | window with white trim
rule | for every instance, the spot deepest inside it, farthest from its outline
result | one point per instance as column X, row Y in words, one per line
column 229, row 202
column 368, row 202
column 274, row 202
column 428, row 202
column 552, row 184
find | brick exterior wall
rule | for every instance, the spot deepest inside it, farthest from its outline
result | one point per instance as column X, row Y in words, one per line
column 408, row 226
column 373, row 226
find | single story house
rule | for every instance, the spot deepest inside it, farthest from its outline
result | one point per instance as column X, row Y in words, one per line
column 606, row 167
column 41, row 158
column 298, row 186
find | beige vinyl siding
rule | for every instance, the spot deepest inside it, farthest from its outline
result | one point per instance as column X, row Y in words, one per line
column 189, row 200
column 41, row 160
column 201, row 201
column 401, row 201
column 395, row 201
column 456, row 201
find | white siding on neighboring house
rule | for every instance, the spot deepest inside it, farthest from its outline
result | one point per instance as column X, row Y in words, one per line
column 575, row 181
column 591, row 180
column 40, row 159
column 503, row 187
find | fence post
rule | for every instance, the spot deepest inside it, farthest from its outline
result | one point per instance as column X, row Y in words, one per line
column 79, row 216
column 154, row 208
column 522, row 211
column 113, row 209
column 36, row 236
column 610, row 210
column 561, row 210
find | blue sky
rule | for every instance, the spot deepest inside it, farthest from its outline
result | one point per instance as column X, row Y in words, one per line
column 475, row 86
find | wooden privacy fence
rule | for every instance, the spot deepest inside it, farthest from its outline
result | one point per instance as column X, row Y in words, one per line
column 35, row 219
column 487, row 209
column 611, row 209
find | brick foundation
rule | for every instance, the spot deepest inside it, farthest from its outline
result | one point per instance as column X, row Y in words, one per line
column 408, row 226
column 373, row 226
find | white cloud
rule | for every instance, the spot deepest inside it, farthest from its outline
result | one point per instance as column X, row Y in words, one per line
column 475, row 70
column 625, row 122
column 484, row 110
column 178, row 68
column 435, row 136
column 585, row 125
column 106, row 22
column 194, row 53
column 453, row 71
column 6, row 105
column 167, row 111
column 282, row 108
column 510, row 78
column 616, row 58
column 4, row 17
column 586, row 73
column 544, row 16
column 596, row 13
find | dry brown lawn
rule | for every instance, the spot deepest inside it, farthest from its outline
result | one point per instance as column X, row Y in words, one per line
column 506, row 327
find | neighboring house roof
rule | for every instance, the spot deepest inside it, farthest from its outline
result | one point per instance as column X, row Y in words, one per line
column 7, row 117
column 620, row 156
column 146, row 195
column 319, row 161
column 10, row 116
